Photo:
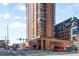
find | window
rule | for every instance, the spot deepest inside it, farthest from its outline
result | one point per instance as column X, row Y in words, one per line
column 74, row 31
column 75, row 39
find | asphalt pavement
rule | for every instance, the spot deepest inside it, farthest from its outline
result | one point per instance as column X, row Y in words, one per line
column 34, row 53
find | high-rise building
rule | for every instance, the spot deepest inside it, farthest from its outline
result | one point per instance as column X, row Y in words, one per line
column 41, row 20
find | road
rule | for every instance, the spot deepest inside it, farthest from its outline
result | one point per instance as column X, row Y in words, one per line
column 34, row 53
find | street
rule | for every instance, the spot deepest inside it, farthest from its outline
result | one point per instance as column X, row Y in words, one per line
column 34, row 53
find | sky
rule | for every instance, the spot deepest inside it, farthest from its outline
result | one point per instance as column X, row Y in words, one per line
column 65, row 11
column 14, row 15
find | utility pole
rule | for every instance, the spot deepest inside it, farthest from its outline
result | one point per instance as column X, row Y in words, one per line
column 7, row 33
column 7, row 36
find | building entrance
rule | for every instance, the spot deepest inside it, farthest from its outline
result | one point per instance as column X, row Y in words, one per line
column 34, row 47
column 44, row 44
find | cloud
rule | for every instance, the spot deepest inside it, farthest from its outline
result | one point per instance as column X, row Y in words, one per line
column 1, row 15
column 17, row 25
column 24, row 17
column 6, row 16
column 20, row 6
column 18, row 17
column 5, row 4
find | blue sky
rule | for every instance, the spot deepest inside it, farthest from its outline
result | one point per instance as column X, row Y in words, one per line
column 14, row 15
column 66, row 10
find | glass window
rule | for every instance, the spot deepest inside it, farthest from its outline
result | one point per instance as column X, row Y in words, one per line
column 75, row 38
column 74, row 31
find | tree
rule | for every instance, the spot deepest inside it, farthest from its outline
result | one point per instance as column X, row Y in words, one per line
column 22, row 39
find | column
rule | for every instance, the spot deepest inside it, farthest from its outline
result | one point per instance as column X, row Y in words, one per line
column 37, row 45
column 41, row 44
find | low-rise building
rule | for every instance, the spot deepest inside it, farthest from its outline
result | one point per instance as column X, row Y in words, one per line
column 66, row 30
column 63, row 29
column 3, row 44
